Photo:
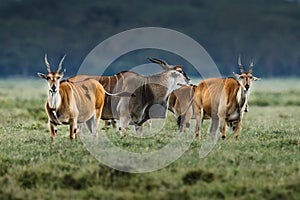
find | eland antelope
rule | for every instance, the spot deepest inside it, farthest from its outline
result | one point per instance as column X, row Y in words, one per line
column 72, row 103
column 111, row 84
column 224, row 100
column 181, row 104
column 151, row 94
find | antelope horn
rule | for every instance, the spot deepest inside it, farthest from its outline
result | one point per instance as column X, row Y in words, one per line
column 251, row 65
column 60, row 63
column 162, row 63
column 240, row 64
column 47, row 63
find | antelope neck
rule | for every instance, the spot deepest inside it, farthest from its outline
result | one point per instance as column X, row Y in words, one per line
column 53, row 99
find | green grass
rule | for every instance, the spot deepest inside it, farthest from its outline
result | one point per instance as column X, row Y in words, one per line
column 276, row 92
column 263, row 164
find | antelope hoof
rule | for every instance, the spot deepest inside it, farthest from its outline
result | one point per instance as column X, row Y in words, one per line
column 188, row 125
column 72, row 137
column 236, row 137
column 223, row 137
column 122, row 132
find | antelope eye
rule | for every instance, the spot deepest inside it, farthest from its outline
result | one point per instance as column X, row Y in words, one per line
column 179, row 70
column 251, row 77
column 48, row 78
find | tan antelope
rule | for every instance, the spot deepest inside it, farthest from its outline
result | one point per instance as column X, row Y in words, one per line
column 181, row 104
column 224, row 100
column 73, row 103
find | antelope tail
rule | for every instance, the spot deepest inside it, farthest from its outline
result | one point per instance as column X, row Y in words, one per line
column 120, row 94
column 190, row 104
column 192, row 93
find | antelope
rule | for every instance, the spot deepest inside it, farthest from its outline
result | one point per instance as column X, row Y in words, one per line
column 149, row 91
column 181, row 104
column 111, row 84
column 73, row 103
column 224, row 100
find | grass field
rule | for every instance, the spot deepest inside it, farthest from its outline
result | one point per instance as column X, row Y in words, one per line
column 263, row 164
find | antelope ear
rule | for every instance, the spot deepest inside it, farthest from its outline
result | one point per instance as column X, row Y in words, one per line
column 62, row 73
column 256, row 79
column 236, row 75
column 41, row 75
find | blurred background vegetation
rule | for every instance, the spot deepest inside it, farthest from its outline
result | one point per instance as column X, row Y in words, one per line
column 268, row 30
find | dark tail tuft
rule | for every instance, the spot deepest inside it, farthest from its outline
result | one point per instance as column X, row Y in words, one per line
column 180, row 120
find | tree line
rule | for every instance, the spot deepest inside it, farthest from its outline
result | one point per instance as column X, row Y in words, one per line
column 268, row 30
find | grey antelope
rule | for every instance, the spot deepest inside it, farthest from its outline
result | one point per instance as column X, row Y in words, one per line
column 72, row 103
column 224, row 100
column 149, row 91
column 180, row 103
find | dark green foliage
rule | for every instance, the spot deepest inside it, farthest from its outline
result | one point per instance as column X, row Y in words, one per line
column 193, row 176
column 266, row 30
